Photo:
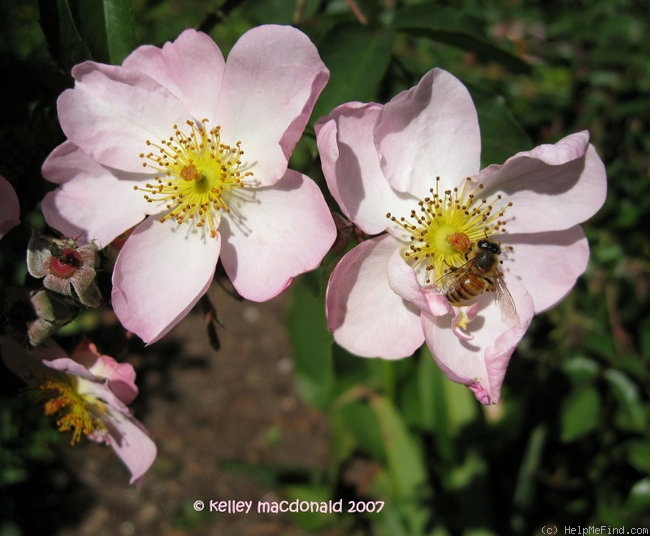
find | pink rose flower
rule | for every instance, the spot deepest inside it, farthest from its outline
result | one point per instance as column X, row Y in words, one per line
column 87, row 394
column 199, row 146
column 408, row 173
column 9, row 207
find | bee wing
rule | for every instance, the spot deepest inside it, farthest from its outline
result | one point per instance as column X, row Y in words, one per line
column 448, row 282
column 505, row 301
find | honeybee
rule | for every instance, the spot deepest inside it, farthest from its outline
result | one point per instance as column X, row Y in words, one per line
column 478, row 275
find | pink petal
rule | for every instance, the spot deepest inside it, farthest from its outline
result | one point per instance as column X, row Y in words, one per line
column 367, row 318
column 191, row 68
column 121, row 380
column 70, row 366
column 437, row 302
column 480, row 363
column 124, row 433
column 351, row 167
column 272, row 80
column 403, row 281
column 547, row 264
column 285, row 231
column 429, row 131
column 76, row 210
column 112, row 111
column 552, row 187
column 161, row 272
column 120, row 376
column 132, row 444
column 9, row 207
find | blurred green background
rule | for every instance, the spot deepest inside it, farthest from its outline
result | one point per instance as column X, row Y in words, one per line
column 569, row 444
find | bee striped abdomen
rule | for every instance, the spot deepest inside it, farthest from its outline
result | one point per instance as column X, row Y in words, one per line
column 480, row 274
column 469, row 287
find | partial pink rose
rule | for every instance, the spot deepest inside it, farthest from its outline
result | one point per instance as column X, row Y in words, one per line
column 87, row 394
column 9, row 207
column 191, row 151
column 407, row 173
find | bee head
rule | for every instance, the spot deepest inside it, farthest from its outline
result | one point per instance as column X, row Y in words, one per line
column 490, row 247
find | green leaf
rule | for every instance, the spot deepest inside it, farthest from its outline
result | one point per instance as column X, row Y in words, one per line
column 638, row 454
column 524, row 494
column 108, row 28
column 581, row 369
column 390, row 520
column 311, row 342
column 630, row 414
column 404, row 458
column 467, row 474
column 357, row 59
column 455, row 27
column 501, row 135
column 580, row 414
column 279, row 11
column 78, row 30
column 357, row 420
column 639, row 498
column 406, row 466
column 446, row 406
column 427, row 384
column 64, row 41
column 351, row 370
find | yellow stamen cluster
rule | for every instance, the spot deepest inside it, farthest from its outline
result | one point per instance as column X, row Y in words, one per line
column 73, row 411
column 198, row 175
column 446, row 226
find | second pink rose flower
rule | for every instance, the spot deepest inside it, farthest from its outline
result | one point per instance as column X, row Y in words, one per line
column 408, row 174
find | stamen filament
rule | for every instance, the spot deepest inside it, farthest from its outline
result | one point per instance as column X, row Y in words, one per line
column 73, row 411
column 198, row 175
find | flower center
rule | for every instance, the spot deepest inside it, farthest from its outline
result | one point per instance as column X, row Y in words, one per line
column 199, row 175
column 446, row 226
column 66, row 263
column 73, row 411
